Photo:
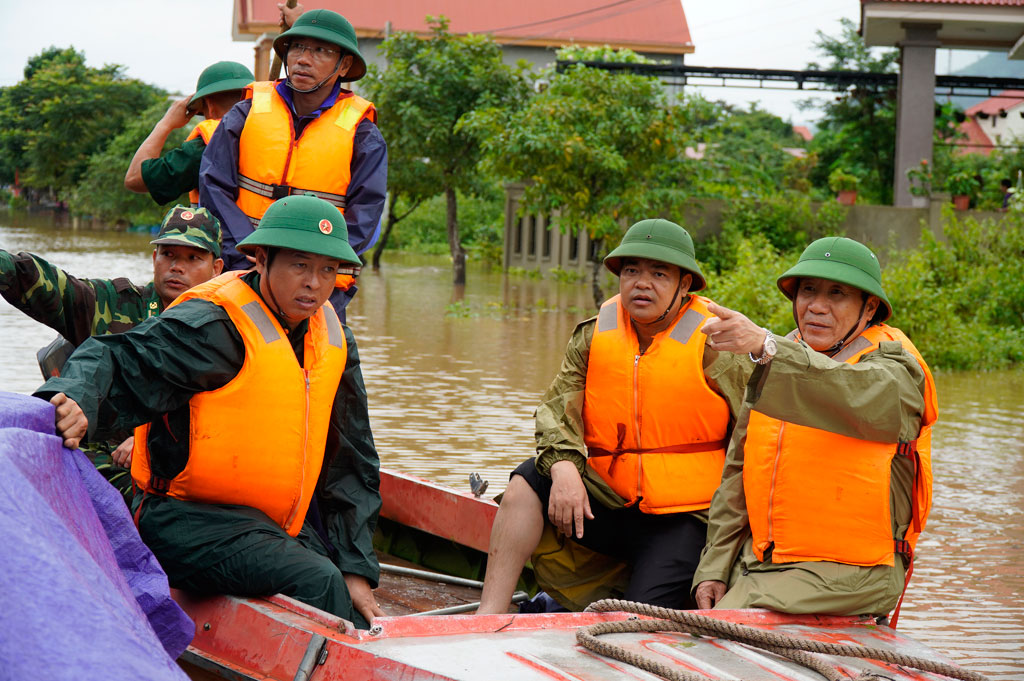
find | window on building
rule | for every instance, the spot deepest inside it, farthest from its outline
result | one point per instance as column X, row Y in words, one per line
column 546, row 244
column 574, row 247
column 517, row 238
column 531, row 235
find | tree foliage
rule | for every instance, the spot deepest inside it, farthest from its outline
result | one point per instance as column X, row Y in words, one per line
column 428, row 87
column 858, row 128
column 61, row 114
column 593, row 145
column 101, row 192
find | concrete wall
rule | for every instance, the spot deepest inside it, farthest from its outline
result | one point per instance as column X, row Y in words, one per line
column 535, row 242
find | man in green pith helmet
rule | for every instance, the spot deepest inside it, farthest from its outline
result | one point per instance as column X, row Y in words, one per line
column 631, row 437
column 827, row 483
column 253, row 452
column 303, row 133
column 220, row 87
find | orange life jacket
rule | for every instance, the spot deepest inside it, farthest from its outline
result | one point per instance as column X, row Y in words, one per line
column 812, row 495
column 273, row 164
column 259, row 440
column 204, row 129
column 655, row 431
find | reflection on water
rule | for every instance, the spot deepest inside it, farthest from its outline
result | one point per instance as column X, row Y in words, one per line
column 453, row 382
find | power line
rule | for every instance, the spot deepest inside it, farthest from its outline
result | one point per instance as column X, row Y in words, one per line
column 564, row 16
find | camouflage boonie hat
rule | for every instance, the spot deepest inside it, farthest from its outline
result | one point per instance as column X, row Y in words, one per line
column 194, row 227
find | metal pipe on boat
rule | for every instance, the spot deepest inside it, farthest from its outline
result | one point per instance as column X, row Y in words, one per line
column 315, row 655
column 517, row 597
column 435, row 576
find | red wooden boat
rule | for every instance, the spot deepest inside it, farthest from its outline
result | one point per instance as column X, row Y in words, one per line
column 429, row 525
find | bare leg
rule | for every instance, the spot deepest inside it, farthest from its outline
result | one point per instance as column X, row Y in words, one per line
column 515, row 534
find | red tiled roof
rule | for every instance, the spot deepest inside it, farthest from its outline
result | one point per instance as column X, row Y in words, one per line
column 1002, row 3
column 977, row 141
column 1006, row 100
column 804, row 132
column 645, row 25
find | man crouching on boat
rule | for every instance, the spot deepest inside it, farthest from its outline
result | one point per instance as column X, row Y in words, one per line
column 827, row 484
column 256, row 467
column 631, row 434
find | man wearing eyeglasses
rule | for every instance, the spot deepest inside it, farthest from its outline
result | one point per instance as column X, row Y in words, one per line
column 301, row 134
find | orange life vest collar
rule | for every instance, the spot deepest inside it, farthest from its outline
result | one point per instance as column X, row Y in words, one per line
column 259, row 440
column 638, row 439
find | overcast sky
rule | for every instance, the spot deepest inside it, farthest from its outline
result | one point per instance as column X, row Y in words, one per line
column 167, row 43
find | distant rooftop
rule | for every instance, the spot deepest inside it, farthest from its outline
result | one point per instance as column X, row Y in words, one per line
column 1006, row 100
column 653, row 26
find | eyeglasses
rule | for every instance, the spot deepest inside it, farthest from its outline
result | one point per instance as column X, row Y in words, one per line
column 318, row 53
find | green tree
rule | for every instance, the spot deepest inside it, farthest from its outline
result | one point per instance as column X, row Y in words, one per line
column 744, row 150
column 62, row 113
column 101, row 192
column 429, row 86
column 858, row 129
column 595, row 146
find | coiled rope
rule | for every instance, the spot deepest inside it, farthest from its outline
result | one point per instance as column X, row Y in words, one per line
column 800, row 650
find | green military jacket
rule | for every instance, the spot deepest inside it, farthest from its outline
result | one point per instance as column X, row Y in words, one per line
column 75, row 308
column 174, row 173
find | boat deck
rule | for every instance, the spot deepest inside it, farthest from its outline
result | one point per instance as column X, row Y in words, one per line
column 400, row 594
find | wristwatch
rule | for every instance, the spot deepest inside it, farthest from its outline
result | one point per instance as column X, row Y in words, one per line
column 768, row 350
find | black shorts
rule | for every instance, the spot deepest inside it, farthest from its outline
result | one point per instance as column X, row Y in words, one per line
column 662, row 549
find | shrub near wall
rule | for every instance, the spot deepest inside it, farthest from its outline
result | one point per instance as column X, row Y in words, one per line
column 962, row 300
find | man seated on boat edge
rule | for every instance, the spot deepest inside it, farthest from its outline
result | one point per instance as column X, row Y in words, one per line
column 167, row 176
column 187, row 253
column 631, row 502
column 302, row 133
column 827, row 483
column 256, row 425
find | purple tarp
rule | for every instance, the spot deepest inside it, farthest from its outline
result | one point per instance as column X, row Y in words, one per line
column 81, row 597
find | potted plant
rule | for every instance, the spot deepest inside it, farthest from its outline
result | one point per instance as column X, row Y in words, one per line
column 962, row 184
column 921, row 180
column 844, row 184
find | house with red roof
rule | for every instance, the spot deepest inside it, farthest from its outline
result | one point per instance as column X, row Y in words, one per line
column 528, row 29
column 918, row 28
column 992, row 123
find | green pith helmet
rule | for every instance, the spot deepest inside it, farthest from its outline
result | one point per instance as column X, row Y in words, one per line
column 838, row 259
column 196, row 227
column 331, row 27
column 661, row 240
column 303, row 223
column 223, row 76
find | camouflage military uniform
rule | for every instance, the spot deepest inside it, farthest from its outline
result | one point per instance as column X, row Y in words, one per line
column 78, row 308
column 75, row 308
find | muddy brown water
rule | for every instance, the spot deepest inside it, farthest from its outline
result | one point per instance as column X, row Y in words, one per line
column 453, row 381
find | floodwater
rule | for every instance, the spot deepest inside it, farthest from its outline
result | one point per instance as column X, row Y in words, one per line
column 453, row 381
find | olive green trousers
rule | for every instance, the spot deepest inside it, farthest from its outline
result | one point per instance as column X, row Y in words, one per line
column 818, row 587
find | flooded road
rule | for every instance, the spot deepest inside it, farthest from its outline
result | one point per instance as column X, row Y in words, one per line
column 453, row 382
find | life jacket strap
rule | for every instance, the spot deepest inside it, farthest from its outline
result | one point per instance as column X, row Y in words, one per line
column 688, row 448
column 279, row 191
column 159, row 485
column 909, row 449
column 902, row 547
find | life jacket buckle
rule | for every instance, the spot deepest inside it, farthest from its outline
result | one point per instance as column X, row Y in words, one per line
column 279, row 191
column 903, row 547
